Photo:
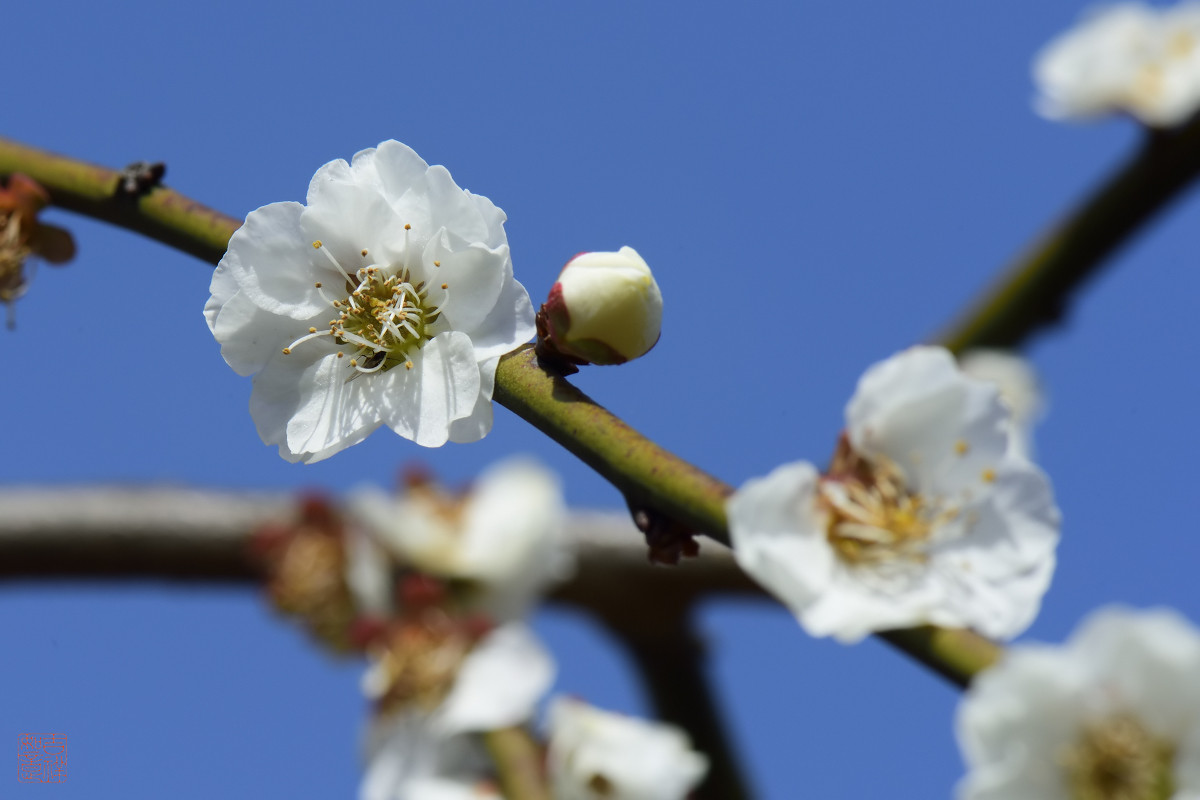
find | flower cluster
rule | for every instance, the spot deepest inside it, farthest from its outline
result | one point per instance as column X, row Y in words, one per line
column 1128, row 57
column 1114, row 713
column 387, row 300
column 928, row 514
column 442, row 581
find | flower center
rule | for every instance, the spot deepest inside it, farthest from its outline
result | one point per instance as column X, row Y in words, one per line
column 307, row 581
column 419, row 660
column 1118, row 759
column 873, row 517
column 385, row 316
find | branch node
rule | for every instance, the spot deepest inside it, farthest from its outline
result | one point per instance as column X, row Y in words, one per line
column 668, row 539
column 139, row 178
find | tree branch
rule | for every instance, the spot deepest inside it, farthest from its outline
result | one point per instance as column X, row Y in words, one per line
column 191, row 535
column 672, row 662
column 518, row 760
column 1034, row 292
column 545, row 400
column 159, row 213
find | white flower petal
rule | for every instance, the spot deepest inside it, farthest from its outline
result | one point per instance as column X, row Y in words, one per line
column 779, row 537
column 1127, row 57
column 996, row 574
column 273, row 263
column 446, row 789
column 493, row 217
column 927, row 519
column 1020, row 718
column 249, row 336
column 403, row 363
column 458, row 211
column 443, row 385
column 305, row 406
column 499, row 683
column 398, row 167
column 514, row 538
column 348, row 218
column 633, row 759
column 401, row 749
column 478, row 424
column 368, row 574
column 474, row 276
column 921, row 412
column 511, row 320
column 507, row 536
column 1019, row 389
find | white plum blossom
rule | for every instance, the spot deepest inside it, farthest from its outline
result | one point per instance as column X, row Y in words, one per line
column 926, row 515
column 1112, row 714
column 599, row 755
column 1128, row 57
column 387, row 300
column 507, row 533
column 605, row 308
column 1019, row 389
column 422, row 753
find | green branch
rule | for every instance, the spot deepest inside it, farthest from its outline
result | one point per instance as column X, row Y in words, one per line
column 94, row 191
column 649, row 476
column 518, row 761
column 1034, row 292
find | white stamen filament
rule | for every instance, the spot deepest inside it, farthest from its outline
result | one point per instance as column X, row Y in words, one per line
column 306, row 337
column 368, row 370
column 319, row 246
column 350, row 337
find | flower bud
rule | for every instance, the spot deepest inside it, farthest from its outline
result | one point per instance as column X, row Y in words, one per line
column 605, row 308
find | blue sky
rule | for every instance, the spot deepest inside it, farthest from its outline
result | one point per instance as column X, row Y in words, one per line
column 816, row 185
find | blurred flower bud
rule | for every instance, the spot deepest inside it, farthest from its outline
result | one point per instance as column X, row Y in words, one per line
column 605, row 309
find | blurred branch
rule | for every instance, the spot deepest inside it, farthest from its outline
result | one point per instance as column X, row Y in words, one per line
column 121, row 533
column 1034, row 292
column 673, row 664
column 648, row 474
column 518, row 760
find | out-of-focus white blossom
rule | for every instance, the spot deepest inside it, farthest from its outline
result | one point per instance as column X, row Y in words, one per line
column 506, row 533
column 605, row 308
column 1128, row 57
column 926, row 515
column 387, row 300
column 417, row 751
column 598, row 755
column 1019, row 389
column 1113, row 713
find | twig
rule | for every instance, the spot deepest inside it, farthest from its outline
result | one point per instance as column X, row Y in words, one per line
column 672, row 662
column 518, row 761
column 1034, row 292
column 663, row 481
column 159, row 213
column 124, row 533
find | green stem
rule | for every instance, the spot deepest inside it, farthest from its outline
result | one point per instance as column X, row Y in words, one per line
column 1035, row 290
column 159, row 213
column 518, row 761
column 648, row 475
column 644, row 472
